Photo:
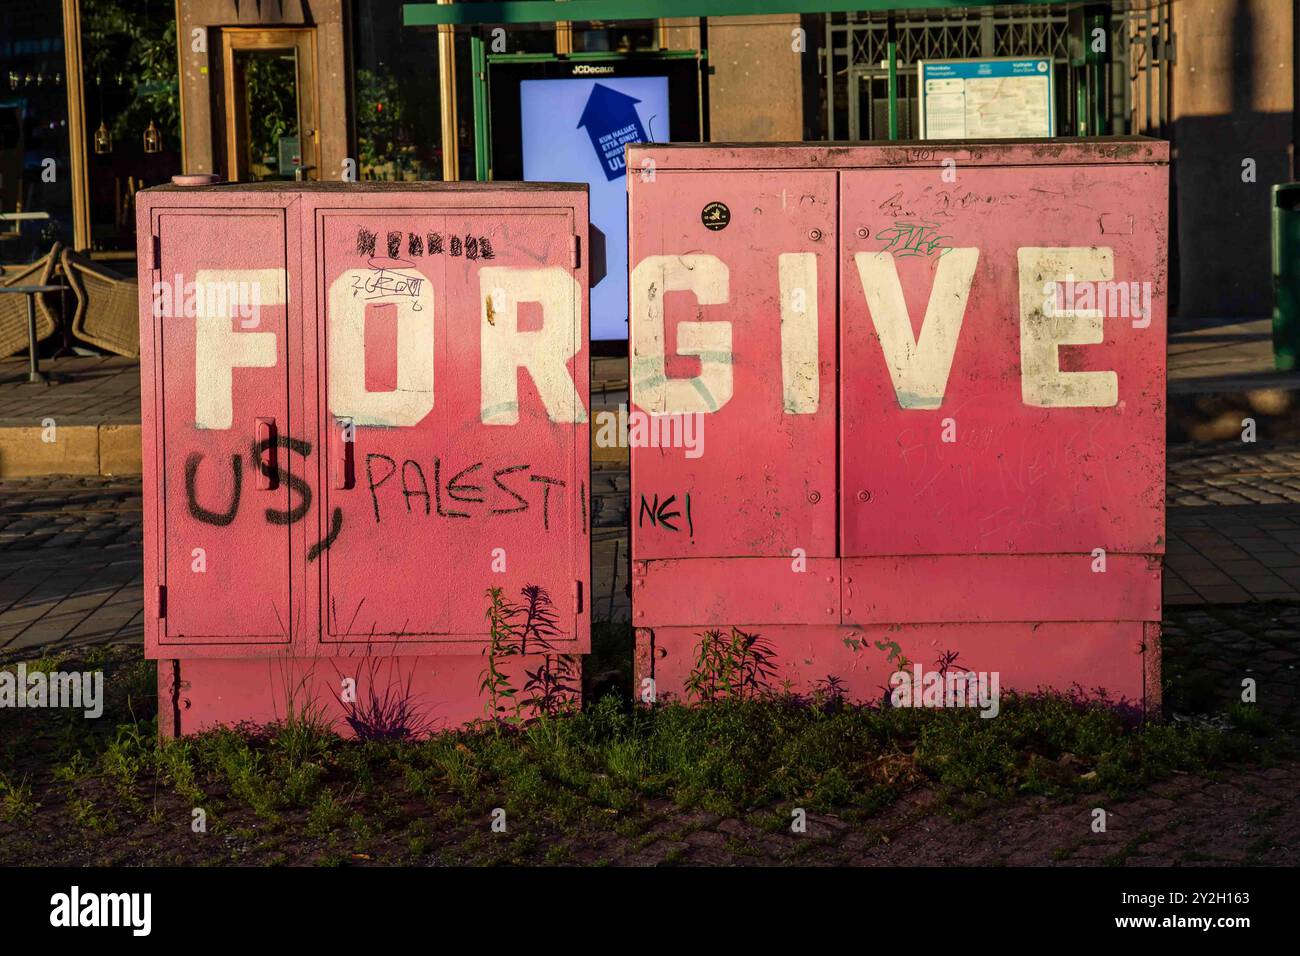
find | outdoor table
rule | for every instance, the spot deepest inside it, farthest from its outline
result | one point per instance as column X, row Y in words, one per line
column 34, row 374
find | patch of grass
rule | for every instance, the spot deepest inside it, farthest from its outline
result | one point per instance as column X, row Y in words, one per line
column 419, row 840
column 86, row 814
column 621, row 768
column 1192, row 690
column 130, row 752
column 327, row 814
column 734, row 755
column 1249, row 719
column 231, row 757
column 558, row 855
column 175, row 760
column 49, row 661
column 17, row 804
column 77, row 767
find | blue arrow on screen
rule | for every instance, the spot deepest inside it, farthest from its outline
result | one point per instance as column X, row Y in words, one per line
column 612, row 122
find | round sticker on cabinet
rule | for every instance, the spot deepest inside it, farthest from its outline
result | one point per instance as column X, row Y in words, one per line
column 715, row 216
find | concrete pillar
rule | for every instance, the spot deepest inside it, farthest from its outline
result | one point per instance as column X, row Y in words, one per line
column 756, row 90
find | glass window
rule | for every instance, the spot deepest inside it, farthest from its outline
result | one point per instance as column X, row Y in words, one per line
column 397, row 104
column 35, row 178
column 132, row 110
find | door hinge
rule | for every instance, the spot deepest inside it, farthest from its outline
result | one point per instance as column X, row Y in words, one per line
column 577, row 252
column 162, row 600
column 579, row 584
column 155, row 253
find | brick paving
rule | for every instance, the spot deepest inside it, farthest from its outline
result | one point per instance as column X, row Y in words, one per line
column 1246, row 816
column 1209, row 650
column 88, row 391
column 610, row 488
column 1234, row 523
column 1218, row 355
column 70, row 563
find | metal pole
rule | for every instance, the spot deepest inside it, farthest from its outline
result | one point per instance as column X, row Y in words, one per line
column 563, row 37
column 1081, row 102
column 478, row 64
column 34, row 375
column 73, row 66
column 1148, row 54
column 891, row 50
column 447, row 93
column 830, row 78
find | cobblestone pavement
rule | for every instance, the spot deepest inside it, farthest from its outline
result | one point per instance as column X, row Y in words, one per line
column 70, row 563
column 89, row 390
column 610, row 488
column 1209, row 650
column 70, row 548
column 1217, row 354
column 1247, row 815
column 1234, row 523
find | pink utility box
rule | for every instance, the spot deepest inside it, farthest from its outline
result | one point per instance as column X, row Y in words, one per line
column 930, row 389
column 364, row 405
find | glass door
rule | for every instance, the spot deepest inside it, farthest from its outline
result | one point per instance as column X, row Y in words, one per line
column 270, row 104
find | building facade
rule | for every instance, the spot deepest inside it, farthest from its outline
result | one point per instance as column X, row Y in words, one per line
column 350, row 89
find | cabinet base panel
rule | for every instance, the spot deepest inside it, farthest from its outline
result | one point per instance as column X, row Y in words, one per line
column 394, row 696
column 1121, row 658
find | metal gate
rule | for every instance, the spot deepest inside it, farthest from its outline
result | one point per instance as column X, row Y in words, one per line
column 1122, row 89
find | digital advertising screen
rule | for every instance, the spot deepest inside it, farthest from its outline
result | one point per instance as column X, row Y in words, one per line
column 573, row 122
column 574, row 131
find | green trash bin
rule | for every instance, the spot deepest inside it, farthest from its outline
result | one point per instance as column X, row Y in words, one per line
column 1286, row 275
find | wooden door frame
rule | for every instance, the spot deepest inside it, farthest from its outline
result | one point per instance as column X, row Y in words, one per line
column 302, row 40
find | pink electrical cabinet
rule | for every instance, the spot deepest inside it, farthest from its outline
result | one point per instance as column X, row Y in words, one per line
column 364, row 406
column 929, row 386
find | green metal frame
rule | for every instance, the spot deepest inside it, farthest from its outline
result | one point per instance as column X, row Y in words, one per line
column 595, row 55
column 891, row 51
column 478, row 60
column 482, row 131
column 551, row 11
column 560, row 11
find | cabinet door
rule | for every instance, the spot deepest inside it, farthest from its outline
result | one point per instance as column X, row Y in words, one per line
column 455, row 362
column 218, row 387
column 732, row 358
column 975, row 419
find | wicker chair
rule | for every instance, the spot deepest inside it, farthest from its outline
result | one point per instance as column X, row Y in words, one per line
column 13, row 308
column 108, row 306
